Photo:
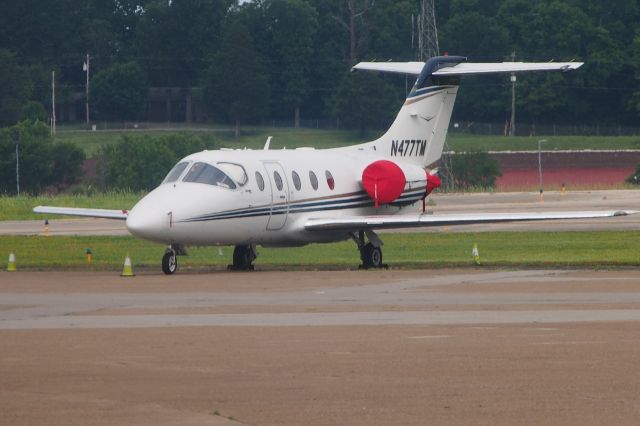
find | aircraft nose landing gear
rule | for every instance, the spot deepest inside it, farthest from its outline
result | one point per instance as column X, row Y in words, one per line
column 170, row 258
column 371, row 252
column 169, row 262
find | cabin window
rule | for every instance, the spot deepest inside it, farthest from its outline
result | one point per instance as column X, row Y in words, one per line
column 296, row 180
column 236, row 171
column 314, row 180
column 260, row 181
column 278, row 180
column 175, row 173
column 210, row 175
column 330, row 182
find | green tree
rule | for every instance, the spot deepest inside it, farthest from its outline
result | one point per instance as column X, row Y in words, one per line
column 15, row 89
column 174, row 38
column 119, row 92
column 236, row 85
column 293, row 25
column 365, row 101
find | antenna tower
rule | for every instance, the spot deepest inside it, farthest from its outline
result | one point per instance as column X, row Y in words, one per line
column 427, row 31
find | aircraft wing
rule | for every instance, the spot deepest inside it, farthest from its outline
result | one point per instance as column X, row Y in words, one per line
column 468, row 68
column 76, row 211
column 354, row 223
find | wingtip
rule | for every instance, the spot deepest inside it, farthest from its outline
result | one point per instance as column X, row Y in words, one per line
column 625, row 212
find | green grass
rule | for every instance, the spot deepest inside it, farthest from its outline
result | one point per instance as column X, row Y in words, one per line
column 20, row 208
column 433, row 250
column 255, row 137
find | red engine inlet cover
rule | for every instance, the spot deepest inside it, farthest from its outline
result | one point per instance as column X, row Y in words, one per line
column 433, row 182
column 384, row 181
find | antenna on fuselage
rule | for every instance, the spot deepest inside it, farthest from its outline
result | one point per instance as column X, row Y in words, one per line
column 267, row 143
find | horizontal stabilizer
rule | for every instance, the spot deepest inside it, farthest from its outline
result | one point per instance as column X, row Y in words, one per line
column 76, row 211
column 354, row 223
column 467, row 68
column 413, row 68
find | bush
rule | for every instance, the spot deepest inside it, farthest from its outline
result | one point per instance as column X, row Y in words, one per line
column 42, row 163
column 474, row 170
column 634, row 179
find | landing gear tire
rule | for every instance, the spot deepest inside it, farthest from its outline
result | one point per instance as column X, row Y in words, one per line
column 371, row 256
column 169, row 263
column 243, row 256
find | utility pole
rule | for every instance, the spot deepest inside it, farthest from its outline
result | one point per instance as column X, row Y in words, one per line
column 16, row 138
column 86, row 67
column 53, row 103
column 427, row 31
column 512, row 127
column 540, row 169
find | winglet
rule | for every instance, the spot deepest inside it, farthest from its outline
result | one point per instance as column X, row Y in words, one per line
column 267, row 143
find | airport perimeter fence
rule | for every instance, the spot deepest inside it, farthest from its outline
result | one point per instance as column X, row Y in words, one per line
column 455, row 127
column 474, row 128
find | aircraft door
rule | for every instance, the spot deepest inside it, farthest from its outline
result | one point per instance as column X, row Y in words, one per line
column 279, row 195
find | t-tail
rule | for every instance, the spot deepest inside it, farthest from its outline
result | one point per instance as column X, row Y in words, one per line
column 418, row 132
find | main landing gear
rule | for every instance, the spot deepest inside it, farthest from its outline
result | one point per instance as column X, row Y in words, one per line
column 170, row 258
column 370, row 252
column 243, row 257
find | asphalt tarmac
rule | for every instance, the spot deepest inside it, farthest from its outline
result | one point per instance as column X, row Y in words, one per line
column 440, row 204
column 446, row 347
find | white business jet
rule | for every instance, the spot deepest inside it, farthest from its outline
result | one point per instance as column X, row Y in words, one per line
column 284, row 198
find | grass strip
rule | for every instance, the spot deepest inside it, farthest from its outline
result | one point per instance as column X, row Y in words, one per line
column 406, row 250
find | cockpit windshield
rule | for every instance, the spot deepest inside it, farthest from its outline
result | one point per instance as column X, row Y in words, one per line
column 208, row 174
column 236, row 171
column 175, row 173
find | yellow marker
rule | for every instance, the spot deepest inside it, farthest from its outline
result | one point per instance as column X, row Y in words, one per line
column 89, row 254
column 127, row 270
column 46, row 227
column 11, row 266
column 476, row 254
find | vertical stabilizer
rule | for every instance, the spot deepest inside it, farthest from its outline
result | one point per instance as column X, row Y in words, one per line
column 418, row 133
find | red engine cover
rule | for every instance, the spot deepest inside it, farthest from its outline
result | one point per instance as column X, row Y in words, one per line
column 433, row 182
column 384, row 181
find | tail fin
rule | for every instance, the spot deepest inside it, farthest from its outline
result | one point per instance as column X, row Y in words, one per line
column 418, row 133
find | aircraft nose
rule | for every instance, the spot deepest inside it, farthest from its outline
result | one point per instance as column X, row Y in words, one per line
column 147, row 223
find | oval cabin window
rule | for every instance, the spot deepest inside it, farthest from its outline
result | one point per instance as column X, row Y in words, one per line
column 296, row 180
column 314, row 180
column 260, row 181
column 330, row 182
column 278, row 180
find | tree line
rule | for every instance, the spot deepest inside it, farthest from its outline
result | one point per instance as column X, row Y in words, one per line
column 290, row 59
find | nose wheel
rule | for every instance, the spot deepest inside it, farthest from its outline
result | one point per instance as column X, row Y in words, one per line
column 170, row 258
column 170, row 262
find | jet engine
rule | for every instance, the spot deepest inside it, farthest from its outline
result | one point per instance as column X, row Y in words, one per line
column 387, row 182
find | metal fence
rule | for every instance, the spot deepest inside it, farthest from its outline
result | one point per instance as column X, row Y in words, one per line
column 472, row 128
column 524, row 129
